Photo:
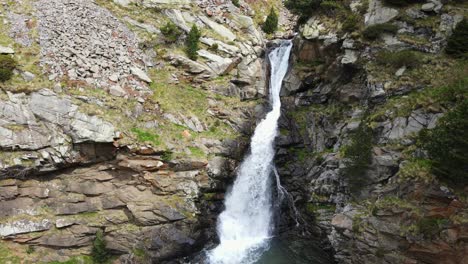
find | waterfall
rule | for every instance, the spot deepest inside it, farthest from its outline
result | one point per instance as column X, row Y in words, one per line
column 245, row 226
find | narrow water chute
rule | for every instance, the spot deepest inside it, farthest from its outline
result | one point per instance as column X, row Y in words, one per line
column 245, row 226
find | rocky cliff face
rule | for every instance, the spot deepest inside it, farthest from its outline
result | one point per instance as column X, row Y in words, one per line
column 342, row 93
column 107, row 126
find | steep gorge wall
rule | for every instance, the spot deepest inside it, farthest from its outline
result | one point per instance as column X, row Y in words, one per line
column 398, row 212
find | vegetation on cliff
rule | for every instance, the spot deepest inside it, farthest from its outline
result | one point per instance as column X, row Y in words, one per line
column 99, row 252
column 171, row 32
column 271, row 22
column 447, row 145
column 457, row 44
column 358, row 155
column 7, row 65
column 192, row 42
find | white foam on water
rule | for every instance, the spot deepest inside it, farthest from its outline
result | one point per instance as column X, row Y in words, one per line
column 245, row 226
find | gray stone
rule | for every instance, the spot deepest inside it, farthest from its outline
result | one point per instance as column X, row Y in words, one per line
column 140, row 74
column 229, row 49
column 190, row 65
column 428, row 7
column 124, row 3
column 64, row 222
column 24, row 226
column 6, row 50
column 157, row 3
column 350, row 57
column 400, row 71
column 312, row 29
column 220, row 29
column 247, row 25
column 217, row 63
column 117, row 90
column 177, row 18
column 27, row 76
column 114, row 77
column 378, row 13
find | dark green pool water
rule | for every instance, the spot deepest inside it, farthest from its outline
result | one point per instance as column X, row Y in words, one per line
column 294, row 250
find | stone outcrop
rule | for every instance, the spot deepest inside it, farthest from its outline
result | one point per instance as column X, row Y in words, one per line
column 138, row 201
column 51, row 126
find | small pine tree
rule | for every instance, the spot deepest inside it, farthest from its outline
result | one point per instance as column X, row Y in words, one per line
column 271, row 22
column 457, row 44
column 191, row 45
column 236, row 3
column 99, row 252
column 359, row 157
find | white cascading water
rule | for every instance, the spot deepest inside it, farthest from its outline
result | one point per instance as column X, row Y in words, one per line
column 245, row 226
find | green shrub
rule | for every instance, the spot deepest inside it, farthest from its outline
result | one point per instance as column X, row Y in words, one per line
column 271, row 22
column 351, row 22
column 358, row 157
column 416, row 169
column 99, row 252
column 457, row 44
column 214, row 47
column 31, row 249
column 363, row 7
column 399, row 59
column 303, row 8
column 430, row 227
column 191, row 44
column 236, row 3
column 447, row 145
column 7, row 65
column 171, row 32
column 401, row 2
column 331, row 5
column 374, row 31
column 167, row 156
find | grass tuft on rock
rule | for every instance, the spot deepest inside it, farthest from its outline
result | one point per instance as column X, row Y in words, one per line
column 374, row 31
column 171, row 32
column 399, row 59
column 7, row 65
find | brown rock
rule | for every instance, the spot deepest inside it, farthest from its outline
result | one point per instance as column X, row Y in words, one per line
column 75, row 208
column 34, row 192
column 8, row 192
column 342, row 221
column 90, row 187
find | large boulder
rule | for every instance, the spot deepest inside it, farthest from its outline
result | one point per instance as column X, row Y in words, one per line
column 378, row 13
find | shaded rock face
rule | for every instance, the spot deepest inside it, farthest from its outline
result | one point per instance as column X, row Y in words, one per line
column 390, row 218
